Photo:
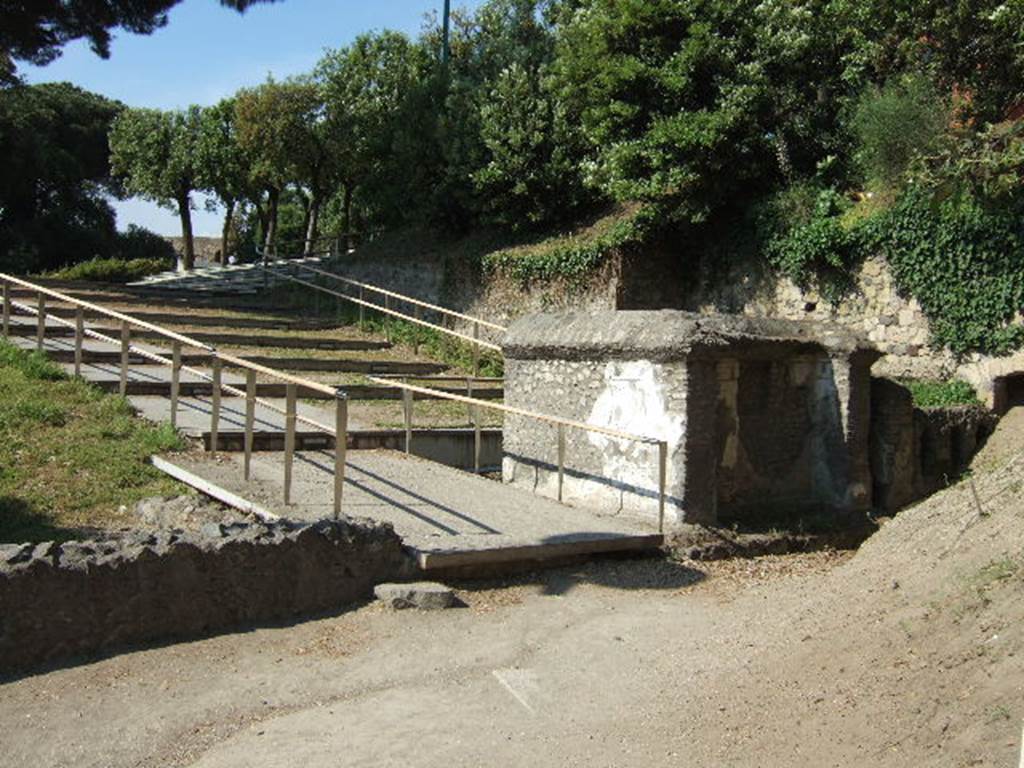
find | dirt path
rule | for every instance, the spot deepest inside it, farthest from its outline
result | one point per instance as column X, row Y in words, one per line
column 908, row 654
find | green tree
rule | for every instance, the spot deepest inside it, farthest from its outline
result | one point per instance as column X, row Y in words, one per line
column 271, row 120
column 56, row 178
column 155, row 152
column 36, row 31
column 222, row 166
column 375, row 118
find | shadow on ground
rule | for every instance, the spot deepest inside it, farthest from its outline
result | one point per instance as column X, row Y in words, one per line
column 634, row 573
column 22, row 523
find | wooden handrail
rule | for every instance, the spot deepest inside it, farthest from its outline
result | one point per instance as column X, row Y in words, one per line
column 386, row 310
column 403, row 297
column 558, row 420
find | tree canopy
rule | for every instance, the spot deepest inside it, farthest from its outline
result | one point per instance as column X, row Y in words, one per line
column 36, row 30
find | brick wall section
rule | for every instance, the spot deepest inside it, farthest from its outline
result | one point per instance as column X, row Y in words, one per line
column 66, row 600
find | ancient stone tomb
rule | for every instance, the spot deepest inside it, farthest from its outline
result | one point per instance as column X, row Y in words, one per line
column 762, row 418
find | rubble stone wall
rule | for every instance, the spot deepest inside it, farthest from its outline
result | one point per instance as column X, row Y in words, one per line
column 78, row 598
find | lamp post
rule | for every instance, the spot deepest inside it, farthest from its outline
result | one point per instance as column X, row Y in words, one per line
column 445, row 30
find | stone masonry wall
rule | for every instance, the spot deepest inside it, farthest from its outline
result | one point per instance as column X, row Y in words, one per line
column 916, row 452
column 896, row 325
column 66, row 600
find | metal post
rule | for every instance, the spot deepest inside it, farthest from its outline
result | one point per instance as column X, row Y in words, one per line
column 662, row 471
column 79, row 335
column 41, row 322
column 561, row 459
column 250, row 419
column 469, row 393
column 340, row 449
column 476, row 349
column 407, row 408
column 215, row 404
column 175, row 382
column 289, row 440
column 126, row 340
column 7, row 309
column 416, row 338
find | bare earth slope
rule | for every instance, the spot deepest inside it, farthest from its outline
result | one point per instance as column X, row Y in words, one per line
column 907, row 654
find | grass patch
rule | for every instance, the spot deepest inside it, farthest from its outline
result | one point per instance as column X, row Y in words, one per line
column 112, row 270
column 70, row 455
column 930, row 393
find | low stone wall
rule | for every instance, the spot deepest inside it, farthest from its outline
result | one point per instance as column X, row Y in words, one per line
column 66, row 600
column 916, row 452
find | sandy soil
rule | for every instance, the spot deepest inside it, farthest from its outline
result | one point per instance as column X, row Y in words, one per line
column 907, row 654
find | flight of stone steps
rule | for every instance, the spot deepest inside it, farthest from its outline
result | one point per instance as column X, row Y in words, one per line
column 318, row 349
column 236, row 279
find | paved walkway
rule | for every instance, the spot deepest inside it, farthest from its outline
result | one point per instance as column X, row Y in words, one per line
column 450, row 518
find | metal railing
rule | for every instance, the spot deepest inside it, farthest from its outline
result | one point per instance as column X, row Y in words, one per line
column 218, row 359
column 386, row 308
column 408, row 390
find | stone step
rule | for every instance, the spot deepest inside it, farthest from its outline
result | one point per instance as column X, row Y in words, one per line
column 218, row 339
column 188, row 317
column 277, row 390
column 451, row 447
column 342, row 365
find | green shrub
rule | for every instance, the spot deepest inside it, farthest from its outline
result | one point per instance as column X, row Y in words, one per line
column 113, row 270
column 808, row 241
column 895, row 125
column 575, row 257
column 931, row 393
column 138, row 243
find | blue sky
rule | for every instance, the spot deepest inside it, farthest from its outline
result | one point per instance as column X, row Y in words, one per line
column 207, row 52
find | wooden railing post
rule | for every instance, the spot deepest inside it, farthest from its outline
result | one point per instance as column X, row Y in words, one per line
column 561, row 459
column 340, row 449
column 407, row 409
column 476, row 349
column 662, row 472
column 387, row 319
column 7, row 310
column 126, row 341
column 362, row 308
column 250, row 419
column 175, row 381
column 476, row 439
column 215, row 404
column 289, row 440
column 79, row 339
column 41, row 322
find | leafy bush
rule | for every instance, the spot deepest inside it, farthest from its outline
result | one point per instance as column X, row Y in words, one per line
column 113, row 270
column 895, row 125
column 140, row 243
column 931, row 393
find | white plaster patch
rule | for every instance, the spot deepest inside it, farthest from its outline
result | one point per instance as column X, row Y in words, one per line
column 634, row 400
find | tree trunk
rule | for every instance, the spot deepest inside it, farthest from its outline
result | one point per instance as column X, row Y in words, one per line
column 350, row 244
column 225, row 233
column 270, row 244
column 188, row 260
column 313, row 223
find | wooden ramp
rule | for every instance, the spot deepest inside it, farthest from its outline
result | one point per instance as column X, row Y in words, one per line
column 450, row 520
